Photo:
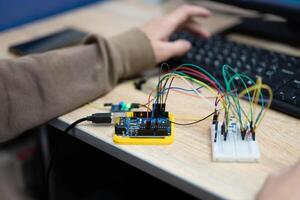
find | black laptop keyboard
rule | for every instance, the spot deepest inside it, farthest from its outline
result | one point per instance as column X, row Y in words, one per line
column 280, row 71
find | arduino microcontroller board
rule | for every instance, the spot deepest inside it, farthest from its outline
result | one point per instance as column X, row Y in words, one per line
column 142, row 128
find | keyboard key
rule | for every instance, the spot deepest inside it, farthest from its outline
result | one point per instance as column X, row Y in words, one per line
column 295, row 84
column 287, row 72
column 292, row 99
column 259, row 70
column 281, row 96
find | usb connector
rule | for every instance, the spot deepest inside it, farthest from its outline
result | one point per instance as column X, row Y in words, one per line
column 101, row 118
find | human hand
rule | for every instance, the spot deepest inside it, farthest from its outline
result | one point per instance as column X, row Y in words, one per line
column 160, row 29
column 284, row 184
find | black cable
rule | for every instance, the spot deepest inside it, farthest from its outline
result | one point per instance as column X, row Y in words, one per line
column 160, row 97
column 158, row 85
column 50, row 165
column 195, row 122
column 71, row 126
column 162, row 90
column 169, row 89
column 97, row 118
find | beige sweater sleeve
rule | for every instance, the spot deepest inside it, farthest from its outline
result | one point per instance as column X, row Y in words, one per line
column 37, row 88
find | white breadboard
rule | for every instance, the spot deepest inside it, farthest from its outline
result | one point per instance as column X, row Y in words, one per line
column 234, row 149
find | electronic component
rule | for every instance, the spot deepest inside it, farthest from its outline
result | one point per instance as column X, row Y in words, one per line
column 122, row 107
column 231, row 145
column 101, row 118
column 137, row 128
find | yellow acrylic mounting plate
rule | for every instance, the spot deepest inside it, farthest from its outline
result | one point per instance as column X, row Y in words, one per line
column 146, row 141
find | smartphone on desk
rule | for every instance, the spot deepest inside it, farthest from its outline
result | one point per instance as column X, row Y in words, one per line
column 60, row 39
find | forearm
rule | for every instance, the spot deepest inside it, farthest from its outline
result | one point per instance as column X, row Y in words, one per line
column 38, row 88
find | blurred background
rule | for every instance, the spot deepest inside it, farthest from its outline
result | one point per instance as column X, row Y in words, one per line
column 81, row 171
column 17, row 12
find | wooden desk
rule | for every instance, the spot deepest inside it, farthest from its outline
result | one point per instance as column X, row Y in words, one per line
column 187, row 163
